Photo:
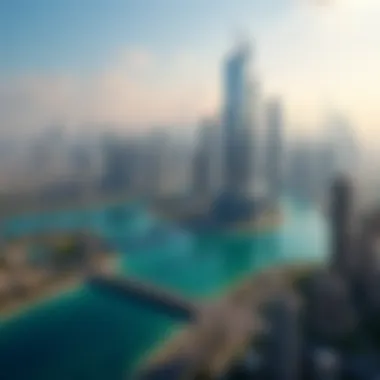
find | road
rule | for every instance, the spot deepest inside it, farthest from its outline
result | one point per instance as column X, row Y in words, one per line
column 222, row 329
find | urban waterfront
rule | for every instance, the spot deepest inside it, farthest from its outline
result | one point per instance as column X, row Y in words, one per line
column 85, row 335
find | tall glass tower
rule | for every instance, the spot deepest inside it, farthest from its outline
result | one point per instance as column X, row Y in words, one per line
column 238, row 201
column 237, row 123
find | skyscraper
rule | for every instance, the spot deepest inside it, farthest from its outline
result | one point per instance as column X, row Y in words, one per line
column 283, row 351
column 241, row 195
column 330, row 313
column 323, row 169
column 274, row 147
column 206, row 161
column 237, row 126
column 157, row 162
column 116, row 161
column 341, row 222
column 178, row 170
column 300, row 169
column 342, row 141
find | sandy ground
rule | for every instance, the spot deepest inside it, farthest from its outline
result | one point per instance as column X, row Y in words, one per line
column 10, row 308
column 40, row 287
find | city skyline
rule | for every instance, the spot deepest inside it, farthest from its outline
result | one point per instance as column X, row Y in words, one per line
column 125, row 64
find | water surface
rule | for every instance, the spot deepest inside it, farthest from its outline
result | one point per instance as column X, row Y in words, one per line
column 85, row 335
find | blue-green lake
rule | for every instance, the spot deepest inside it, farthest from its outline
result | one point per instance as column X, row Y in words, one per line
column 82, row 335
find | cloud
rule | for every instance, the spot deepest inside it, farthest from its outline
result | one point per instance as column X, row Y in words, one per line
column 138, row 59
column 31, row 101
column 320, row 2
column 323, row 57
column 315, row 57
column 343, row 3
column 137, row 90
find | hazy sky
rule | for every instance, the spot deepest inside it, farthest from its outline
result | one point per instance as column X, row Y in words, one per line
column 138, row 62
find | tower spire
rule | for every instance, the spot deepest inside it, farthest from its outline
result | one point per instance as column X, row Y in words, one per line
column 242, row 42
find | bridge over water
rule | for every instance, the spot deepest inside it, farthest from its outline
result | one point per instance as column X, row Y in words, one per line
column 146, row 295
column 220, row 330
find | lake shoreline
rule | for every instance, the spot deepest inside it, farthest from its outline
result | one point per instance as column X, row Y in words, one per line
column 241, row 291
column 48, row 292
column 63, row 284
column 134, row 339
column 267, row 222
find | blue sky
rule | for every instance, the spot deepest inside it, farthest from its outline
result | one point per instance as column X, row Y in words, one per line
column 58, row 35
column 138, row 63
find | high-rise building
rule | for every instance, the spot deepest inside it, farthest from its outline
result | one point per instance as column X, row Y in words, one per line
column 283, row 351
column 342, row 141
column 237, row 121
column 326, row 365
column 206, row 160
column 178, row 172
column 367, row 265
column 81, row 160
column 156, row 161
column 116, row 165
column 323, row 170
column 274, row 124
column 341, row 225
column 299, row 170
column 330, row 311
column 241, row 195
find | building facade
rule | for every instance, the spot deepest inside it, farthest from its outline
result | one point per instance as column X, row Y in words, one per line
column 274, row 124
column 237, row 131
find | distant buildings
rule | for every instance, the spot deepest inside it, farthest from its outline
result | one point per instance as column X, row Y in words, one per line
column 314, row 161
column 229, row 154
column 274, row 123
column 341, row 225
column 179, row 169
column 324, row 172
column 155, row 164
column 207, row 160
column 299, row 173
column 81, row 160
column 156, row 161
column 341, row 139
column 309, row 169
column 116, row 176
